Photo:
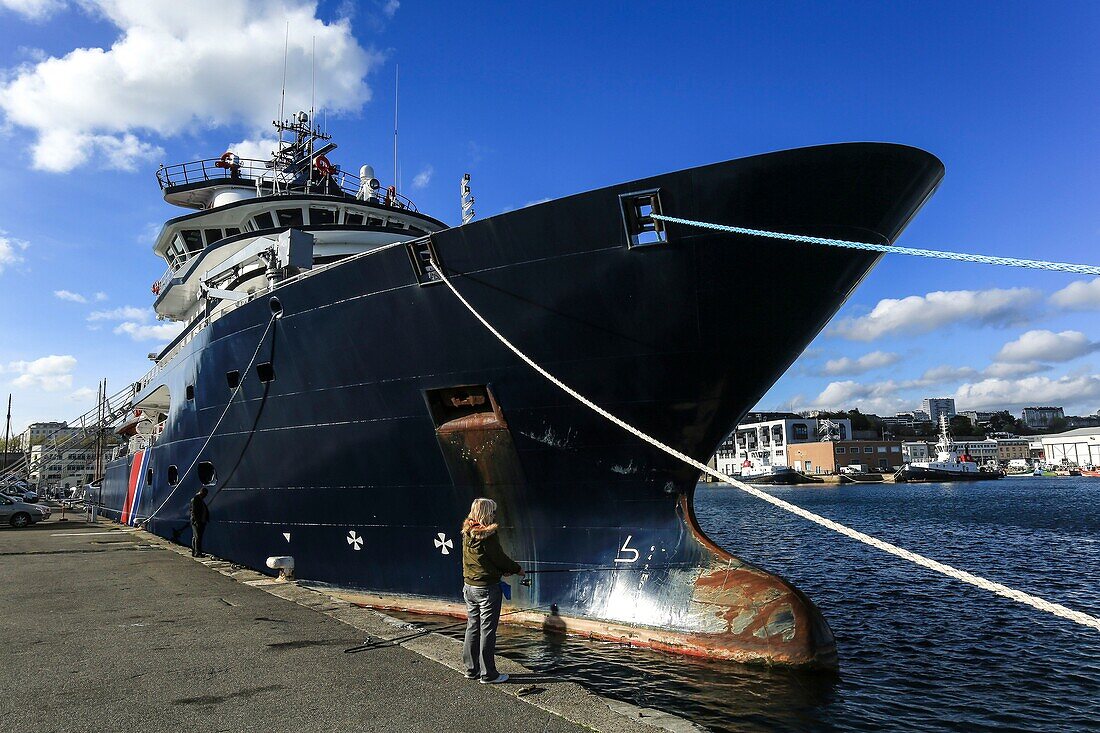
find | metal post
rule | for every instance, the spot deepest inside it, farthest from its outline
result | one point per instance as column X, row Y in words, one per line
column 7, row 432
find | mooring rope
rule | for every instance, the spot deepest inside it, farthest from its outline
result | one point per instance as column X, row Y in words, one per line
column 890, row 248
column 1003, row 590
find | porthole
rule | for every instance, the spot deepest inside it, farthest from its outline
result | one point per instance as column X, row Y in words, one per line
column 265, row 372
column 190, row 392
column 233, row 378
column 149, row 477
column 173, row 475
column 207, row 475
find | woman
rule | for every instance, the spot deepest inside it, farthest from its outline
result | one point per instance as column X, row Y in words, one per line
column 483, row 564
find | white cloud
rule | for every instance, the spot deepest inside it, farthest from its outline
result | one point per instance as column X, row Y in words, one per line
column 1025, row 369
column 70, row 296
column 389, row 7
column 1081, row 295
column 125, row 313
column 1008, row 393
column 876, row 397
column 260, row 149
column 175, row 67
column 921, row 314
column 33, row 9
column 10, row 250
column 146, row 332
column 82, row 395
column 1047, row 346
column 101, row 296
column 942, row 374
column 865, row 363
column 50, row 373
column 423, row 178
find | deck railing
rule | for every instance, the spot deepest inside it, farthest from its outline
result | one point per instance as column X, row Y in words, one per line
column 261, row 174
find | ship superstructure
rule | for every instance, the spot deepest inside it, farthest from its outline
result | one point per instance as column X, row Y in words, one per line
column 343, row 409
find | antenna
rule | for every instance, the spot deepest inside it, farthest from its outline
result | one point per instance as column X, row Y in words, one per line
column 312, row 107
column 396, row 91
column 282, row 97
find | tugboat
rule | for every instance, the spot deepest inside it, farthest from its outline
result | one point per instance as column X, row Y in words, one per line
column 343, row 408
column 950, row 464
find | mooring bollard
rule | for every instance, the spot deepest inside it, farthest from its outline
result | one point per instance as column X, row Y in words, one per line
column 284, row 564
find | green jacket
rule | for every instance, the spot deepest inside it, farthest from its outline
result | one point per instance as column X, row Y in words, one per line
column 483, row 559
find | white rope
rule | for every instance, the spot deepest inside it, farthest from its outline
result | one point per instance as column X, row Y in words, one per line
column 1003, row 590
column 890, row 248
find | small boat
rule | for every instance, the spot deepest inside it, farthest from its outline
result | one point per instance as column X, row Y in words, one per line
column 868, row 477
column 950, row 464
column 1091, row 471
column 769, row 474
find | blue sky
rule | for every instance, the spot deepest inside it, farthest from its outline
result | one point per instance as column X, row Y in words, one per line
column 542, row 101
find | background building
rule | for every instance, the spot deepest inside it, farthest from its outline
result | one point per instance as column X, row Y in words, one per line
column 830, row 455
column 936, row 406
column 763, row 437
column 1041, row 417
column 1011, row 448
column 1079, row 447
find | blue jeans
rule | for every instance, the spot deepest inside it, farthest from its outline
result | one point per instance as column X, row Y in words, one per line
column 482, row 615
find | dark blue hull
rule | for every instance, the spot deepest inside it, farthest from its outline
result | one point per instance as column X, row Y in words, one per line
column 358, row 451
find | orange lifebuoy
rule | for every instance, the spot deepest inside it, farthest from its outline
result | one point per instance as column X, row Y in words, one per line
column 226, row 161
column 323, row 166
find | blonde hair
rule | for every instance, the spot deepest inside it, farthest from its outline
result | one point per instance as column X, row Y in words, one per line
column 483, row 511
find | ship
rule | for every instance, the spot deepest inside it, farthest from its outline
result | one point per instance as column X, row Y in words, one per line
column 950, row 464
column 767, row 473
column 343, row 409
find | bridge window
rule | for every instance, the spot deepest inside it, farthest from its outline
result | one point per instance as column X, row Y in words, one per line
column 353, row 219
column 290, row 217
column 212, row 235
column 232, row 231
column 192, row 240
column 263, row 220
column 321, row 216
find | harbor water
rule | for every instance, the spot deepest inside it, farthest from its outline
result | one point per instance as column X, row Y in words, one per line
column 918, row 651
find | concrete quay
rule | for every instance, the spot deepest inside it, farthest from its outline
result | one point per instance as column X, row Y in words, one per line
column 108, row 628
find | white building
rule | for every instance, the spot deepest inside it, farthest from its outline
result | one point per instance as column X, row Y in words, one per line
column 1041, row 417
column 1079, row 447
column 936, row 406
column 64, row 468
column 917, row 450
column 764, row 436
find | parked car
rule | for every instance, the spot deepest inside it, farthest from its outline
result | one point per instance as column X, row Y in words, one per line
column 21, row 513
column 28, row 496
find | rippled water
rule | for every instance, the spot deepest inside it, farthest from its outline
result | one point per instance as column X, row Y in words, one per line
column 918, row 651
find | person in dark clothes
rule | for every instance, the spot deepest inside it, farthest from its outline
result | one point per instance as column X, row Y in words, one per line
column 200, row 515
column 483, row 564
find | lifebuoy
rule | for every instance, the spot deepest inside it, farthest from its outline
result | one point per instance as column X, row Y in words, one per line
column 156, row 288
column 323, row 166
column 226, row 161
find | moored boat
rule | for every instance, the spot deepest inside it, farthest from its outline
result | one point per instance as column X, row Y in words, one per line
column 950, row 464
column 343, row 409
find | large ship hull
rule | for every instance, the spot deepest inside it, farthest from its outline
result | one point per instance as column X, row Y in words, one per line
column 391, row 408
